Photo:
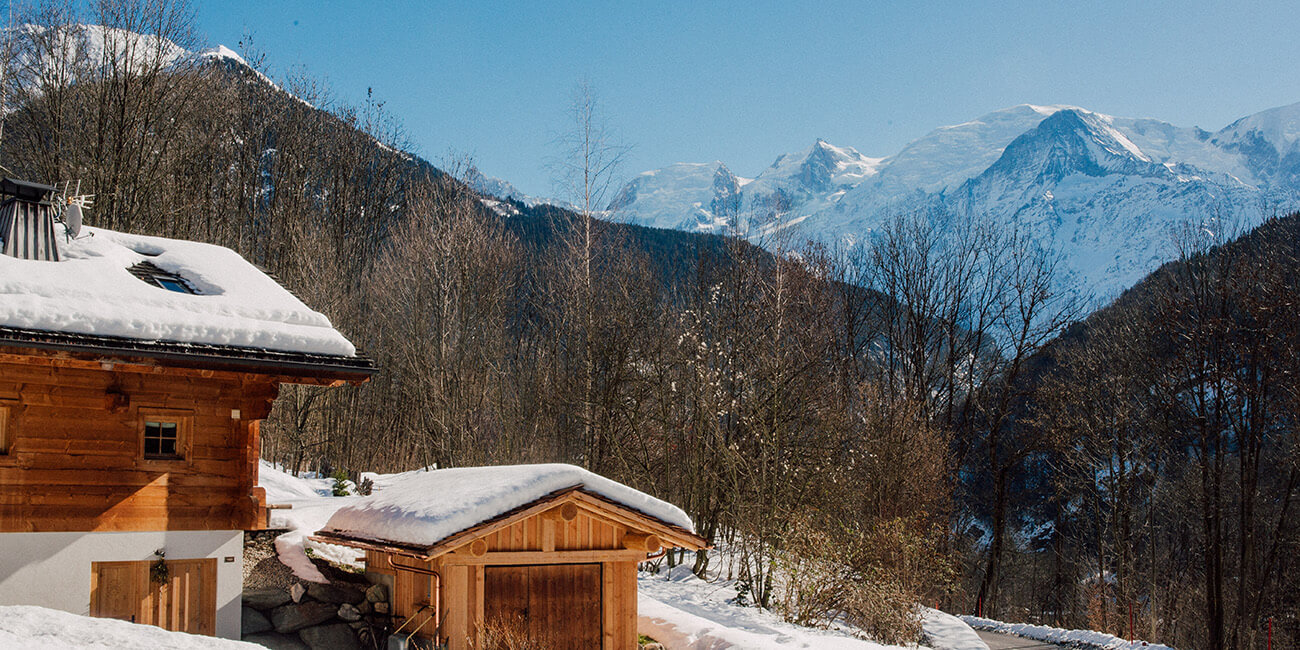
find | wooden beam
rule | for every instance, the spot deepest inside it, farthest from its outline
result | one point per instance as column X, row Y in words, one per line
column 564, row 512
column 619, row 513
column 644, row 542
column 542, row 557
column 476, row 548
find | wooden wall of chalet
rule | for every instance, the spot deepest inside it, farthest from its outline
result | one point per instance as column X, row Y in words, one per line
column 543, row 539
column 76, row 462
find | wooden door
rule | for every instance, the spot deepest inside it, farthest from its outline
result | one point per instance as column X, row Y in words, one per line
column 556, row 604
column 113, row 590
column 185, row 602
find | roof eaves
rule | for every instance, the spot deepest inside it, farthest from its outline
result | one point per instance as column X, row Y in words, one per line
column 217, row 357
column 488, row 526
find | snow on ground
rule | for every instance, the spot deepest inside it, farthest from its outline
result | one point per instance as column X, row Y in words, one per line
column 282, row 486
column 311, row 505
column 680, row 610
column 90, row 291
column 427, row 507
column 943, row 631
column 24, row 627
column 1081, row 638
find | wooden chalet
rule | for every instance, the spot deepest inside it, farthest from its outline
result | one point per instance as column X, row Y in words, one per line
column 129, row 414
column 560, row 568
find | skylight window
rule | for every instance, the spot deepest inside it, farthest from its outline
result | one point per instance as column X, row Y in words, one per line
column 173, row 285
column 151, row 274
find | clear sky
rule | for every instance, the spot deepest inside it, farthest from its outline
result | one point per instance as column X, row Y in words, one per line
column 745, row 82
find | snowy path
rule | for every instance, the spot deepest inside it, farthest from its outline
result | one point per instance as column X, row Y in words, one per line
column 997, row 641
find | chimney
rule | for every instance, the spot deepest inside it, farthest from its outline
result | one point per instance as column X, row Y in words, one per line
column 27, row 221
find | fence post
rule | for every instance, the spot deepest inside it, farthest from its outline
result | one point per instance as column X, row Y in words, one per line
column 1130, row 621
column 1270, row 633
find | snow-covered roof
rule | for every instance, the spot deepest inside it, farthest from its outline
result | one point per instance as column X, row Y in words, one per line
column 428, row 507
column 91, row 292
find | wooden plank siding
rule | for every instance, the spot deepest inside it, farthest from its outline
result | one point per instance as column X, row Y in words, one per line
column 538, row 540
column 76, row 461
column 585, row 532
column 558, row 605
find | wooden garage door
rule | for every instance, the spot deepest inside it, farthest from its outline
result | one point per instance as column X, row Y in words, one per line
column 557, row 604
column 186, row 602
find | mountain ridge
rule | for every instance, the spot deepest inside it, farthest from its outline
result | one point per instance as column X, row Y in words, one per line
column 1106, row 191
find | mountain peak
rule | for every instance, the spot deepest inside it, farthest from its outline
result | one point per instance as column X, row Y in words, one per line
column 1279, row 126
column 1104, row 190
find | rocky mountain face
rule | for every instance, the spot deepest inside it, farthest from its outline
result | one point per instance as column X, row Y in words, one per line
column 1111, row 193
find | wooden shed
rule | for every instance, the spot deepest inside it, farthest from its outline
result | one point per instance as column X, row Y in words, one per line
column 560, row 567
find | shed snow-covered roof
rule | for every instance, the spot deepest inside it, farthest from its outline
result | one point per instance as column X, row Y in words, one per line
column 427, row 508
column 91, row 292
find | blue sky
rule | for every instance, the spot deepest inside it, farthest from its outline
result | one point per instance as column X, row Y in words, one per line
column 745, row 82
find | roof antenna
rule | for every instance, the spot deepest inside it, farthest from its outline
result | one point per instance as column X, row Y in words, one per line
column 69, row 204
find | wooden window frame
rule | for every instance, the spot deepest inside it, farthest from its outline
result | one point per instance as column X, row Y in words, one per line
column 184, row 420
column 10, row 407
column 6, row 428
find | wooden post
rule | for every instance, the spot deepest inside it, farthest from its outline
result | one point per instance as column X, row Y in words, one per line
column 1130, row 621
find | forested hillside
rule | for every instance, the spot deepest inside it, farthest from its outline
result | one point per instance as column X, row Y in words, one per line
column 862, row 427
column 1168, row 466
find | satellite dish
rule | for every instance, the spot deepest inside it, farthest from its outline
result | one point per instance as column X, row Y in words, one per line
column 72, row 219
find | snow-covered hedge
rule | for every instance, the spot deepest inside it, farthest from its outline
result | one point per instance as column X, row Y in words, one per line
column 1077, row 638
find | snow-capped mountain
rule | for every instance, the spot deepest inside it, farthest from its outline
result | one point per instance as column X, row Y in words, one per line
column 707, row 196
column 685, row 196
column 1109, row 192
column 504, row 189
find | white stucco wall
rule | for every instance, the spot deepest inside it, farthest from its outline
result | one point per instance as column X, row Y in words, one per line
column 53, row 569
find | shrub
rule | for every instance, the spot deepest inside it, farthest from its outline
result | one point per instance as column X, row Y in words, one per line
column 341, row 483
column 504, row 634
column 871, row 579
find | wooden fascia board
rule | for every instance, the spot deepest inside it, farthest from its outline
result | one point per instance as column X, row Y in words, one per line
column 40, row 358
column 543, row 557
column 286, row 371
column 671, row 535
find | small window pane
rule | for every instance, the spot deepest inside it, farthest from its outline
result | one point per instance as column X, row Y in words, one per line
column 160, row 439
